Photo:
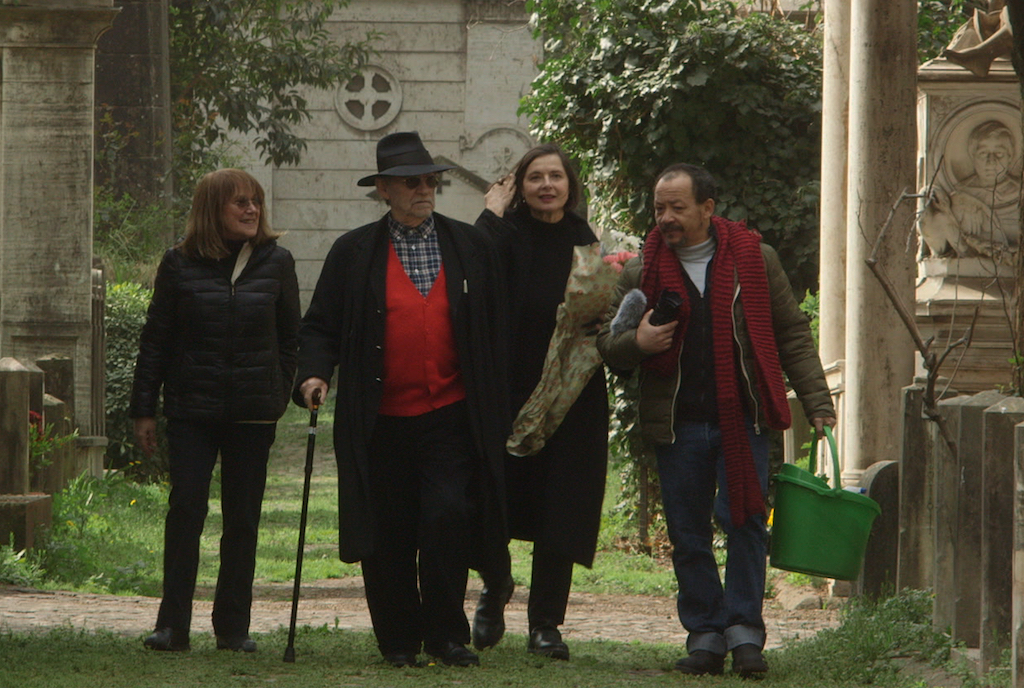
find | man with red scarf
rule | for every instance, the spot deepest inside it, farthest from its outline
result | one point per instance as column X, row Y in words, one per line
column 711, row 387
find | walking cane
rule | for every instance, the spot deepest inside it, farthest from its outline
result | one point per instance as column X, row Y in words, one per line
column 289, row 652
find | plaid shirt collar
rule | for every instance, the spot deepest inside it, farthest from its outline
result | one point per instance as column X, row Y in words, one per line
column 400, row 232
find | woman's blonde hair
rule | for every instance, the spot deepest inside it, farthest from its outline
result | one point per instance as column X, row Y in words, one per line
column 204, row 232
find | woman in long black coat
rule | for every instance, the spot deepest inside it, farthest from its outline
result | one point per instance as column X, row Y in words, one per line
column 554, row 496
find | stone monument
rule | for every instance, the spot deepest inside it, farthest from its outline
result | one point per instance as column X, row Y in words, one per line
column 971, row 146
column 47, row 303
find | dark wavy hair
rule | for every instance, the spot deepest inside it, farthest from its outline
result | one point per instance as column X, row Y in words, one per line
column 575, row 188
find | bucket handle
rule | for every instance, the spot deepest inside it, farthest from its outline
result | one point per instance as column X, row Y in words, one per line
column 837, row 485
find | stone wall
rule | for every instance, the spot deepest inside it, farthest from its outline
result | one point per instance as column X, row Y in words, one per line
column 454, row 70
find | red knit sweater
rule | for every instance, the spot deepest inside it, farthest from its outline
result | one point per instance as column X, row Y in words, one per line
column 421, row 363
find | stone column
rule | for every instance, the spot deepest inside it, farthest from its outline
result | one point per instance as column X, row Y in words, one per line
column 46, row 154
column 882, row 154
column 133, row 96
column 834, row 127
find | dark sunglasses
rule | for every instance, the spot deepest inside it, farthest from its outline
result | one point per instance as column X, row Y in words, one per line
column 413, row 183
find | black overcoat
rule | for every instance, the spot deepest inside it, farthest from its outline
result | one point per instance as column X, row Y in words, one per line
column 344, row 327
column 555, row 496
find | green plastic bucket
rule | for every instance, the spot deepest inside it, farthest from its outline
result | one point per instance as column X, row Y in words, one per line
column 816, row 529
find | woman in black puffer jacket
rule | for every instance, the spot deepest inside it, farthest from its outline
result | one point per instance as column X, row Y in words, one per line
column 221, row 339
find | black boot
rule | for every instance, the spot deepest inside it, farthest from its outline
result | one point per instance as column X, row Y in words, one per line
column 701, row 662
column 167, row 640
column 489, row 619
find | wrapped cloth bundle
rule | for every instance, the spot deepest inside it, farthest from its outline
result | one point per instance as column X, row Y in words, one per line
column 572, row 356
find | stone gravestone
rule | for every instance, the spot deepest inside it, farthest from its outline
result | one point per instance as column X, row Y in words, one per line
column 997, row 528
column 970, row 145
column 958, row 517
column 21, row 514
column 881, row 482
column 916, row 499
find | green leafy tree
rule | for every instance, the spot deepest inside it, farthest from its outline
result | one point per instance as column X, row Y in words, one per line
column 937, row 22
column 239, row 66
column 630, row 86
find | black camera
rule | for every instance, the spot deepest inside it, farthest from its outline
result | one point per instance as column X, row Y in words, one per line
column 667, row 308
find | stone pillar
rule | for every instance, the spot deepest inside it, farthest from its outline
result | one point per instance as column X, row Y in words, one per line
column 1017, row 640
column 945, row 496
column 917, row 499
column 133, row 97
column 882, row 154
column 958, row 498
column 46, row 155
column 15, row 396
column 997, row 528
column 834, row 129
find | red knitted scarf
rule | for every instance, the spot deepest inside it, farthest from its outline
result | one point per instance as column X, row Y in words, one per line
column 737, row 268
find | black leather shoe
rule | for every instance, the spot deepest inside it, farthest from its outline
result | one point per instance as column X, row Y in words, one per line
column 242, row 643
column 701, row 662
column 748, row 662
column 167, row 640
column 401, row 659
column 489, row 619
column 453, row 654
column 547, row 641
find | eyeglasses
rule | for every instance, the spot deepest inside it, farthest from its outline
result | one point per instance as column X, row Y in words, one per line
column 413, row 183
column 243, row 203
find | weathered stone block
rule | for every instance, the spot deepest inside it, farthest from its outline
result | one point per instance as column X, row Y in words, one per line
column 945, row 499
column 997, row 528
column 1017, row 641
column 881, row 482
column 25, row 517
column 967, row 553
column 15, row 384
column 916, row 499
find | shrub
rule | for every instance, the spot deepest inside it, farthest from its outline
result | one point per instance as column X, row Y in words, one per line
column 125, row 315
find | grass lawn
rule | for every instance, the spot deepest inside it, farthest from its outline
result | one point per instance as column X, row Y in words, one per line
column 107, row 537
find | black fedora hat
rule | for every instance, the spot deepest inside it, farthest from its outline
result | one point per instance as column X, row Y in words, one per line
column 402, row 154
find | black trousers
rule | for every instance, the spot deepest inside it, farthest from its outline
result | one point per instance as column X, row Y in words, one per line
column 244, row 449
column 421, row 474
column 550, row 581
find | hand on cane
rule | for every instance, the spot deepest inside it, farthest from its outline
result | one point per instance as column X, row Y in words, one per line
column 311, row 386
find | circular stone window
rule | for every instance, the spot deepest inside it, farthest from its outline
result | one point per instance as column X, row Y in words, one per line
column 370, row 100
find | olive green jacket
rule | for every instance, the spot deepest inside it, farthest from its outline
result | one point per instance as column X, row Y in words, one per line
column 797, row 354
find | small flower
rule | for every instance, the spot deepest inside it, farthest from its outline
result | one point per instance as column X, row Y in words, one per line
column 617, row 260
column 133, row 502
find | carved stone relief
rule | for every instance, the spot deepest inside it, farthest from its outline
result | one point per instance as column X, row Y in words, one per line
column 493, row 154
column 371, row 100
column 972, row 209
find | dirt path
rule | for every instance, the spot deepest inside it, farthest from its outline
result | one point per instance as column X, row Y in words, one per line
column 340, row 603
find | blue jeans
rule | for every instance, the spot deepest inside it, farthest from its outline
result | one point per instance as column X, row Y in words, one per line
column 718, row 619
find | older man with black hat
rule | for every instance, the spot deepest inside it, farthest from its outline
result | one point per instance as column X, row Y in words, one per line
column 411, row 311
